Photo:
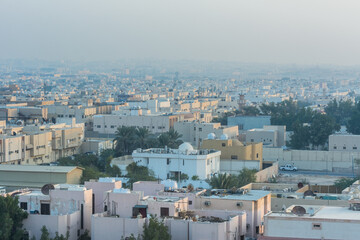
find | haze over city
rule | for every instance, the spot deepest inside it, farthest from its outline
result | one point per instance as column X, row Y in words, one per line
column 278, row 31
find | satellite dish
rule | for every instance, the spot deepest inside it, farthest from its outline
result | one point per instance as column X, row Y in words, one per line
column 300, row 185
column 46, row 188
column 298, row 210
column 308, row 193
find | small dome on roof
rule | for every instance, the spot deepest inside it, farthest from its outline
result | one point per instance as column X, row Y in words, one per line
column 211, row 136
column 224, row 137
column 186, row 147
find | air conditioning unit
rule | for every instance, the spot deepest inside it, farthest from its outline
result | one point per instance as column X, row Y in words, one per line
column 207, row 203
column 178, row 209
column 239, row 204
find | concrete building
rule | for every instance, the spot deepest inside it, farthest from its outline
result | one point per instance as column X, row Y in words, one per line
column 171, row 163
column 127, row 213
column 99, row 189
column 21, row 176
column 195, row 132
column 313, row 222
column 256, row 203
column 108, row 124
column 65, row 208
column 342, row 142
column 248, row 122
column 96, row 145
column 235, row 155
column 270, row 136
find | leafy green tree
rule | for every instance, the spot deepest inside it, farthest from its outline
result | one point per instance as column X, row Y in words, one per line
column 222, row 181
column 301, row 136
column 85, row 236
column 353, row 125
column 321, row 128
column 138, row 173
column 156, row 230
column 92, row 173
column 11, row 217
column 340, row 111
column 250, row 111
column 245, row 177
column 45, row 235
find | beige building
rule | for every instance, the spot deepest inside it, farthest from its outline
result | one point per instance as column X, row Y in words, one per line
column 36, row 176
column 66, row 208
column 342, row 142
column 235, row 155
column 195, row 132
column 270, row 136
column 256, row 203
column 108, row 124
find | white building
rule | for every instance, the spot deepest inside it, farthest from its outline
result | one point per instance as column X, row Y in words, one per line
column 170, row 163
column 344, row 142
column 313, row 222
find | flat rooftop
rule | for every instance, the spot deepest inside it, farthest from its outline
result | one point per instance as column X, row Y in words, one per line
column 322, row 212
column 36, row 168
column 252, row 195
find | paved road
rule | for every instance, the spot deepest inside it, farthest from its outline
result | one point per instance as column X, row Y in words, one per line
column 317, row 173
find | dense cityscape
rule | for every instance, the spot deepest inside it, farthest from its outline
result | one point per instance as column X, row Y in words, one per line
column 156, row 148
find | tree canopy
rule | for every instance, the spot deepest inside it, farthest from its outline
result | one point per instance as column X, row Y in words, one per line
column 227, row 181
column 156, row 230
column 128, row 139
column 11, row 217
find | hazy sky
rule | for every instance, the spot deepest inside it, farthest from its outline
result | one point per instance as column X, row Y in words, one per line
column 270, row 31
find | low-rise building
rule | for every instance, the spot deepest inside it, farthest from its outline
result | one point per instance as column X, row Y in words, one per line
column 313, row 222
column 195, row 132
column 171, row 163
column 270, row 136
column 235, row 155
column 61, row 208
column 248, row 122
column 344, row 142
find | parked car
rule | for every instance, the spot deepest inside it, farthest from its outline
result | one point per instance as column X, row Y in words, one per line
column 288, row 167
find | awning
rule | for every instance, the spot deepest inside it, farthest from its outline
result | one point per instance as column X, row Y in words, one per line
column 140, row 206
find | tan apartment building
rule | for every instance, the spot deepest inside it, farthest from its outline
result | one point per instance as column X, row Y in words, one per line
column 195, row 132
column 236, row 155
column 108, row 124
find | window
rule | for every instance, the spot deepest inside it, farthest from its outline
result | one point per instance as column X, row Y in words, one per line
column 164, row 212
column 354, row 148
column 112, row 126
column 257, row 155
column 252, row 140
column 335, row 147
column 316, row 226
column 234, row 157
column 168, row 161
column 183, row 162
column 257, row 229
column 105, row 126
column 194, row 128
column 200, row 129
column 98, row 126
column 23, row 205
column 45, row 209
column 241, row 126
column 190, row 202
column 344, row 147
column 223, row 144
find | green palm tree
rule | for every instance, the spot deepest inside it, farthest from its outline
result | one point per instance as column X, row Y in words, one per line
column 142, row 136
column 222, row 181
column 174, row 138
column 124, row 140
